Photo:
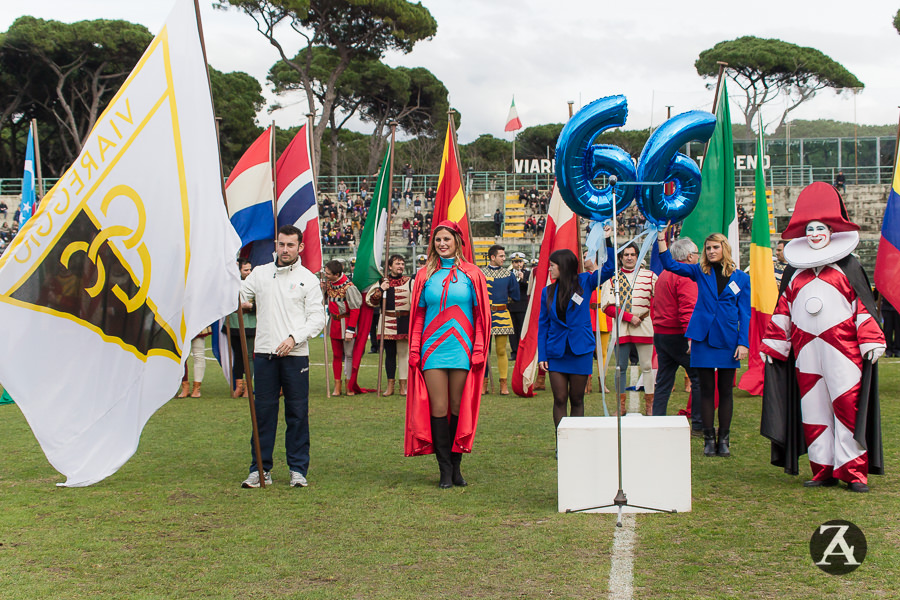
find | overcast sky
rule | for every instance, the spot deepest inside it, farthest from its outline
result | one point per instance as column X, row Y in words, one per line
column 548, row 52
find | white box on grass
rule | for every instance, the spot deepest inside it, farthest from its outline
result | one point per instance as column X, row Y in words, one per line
column 656, row 463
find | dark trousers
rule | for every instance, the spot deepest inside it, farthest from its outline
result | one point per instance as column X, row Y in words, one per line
column 390, row 358
column 291, row 375
column 891, row 332
column 711, row 381
column 237, row 368
column 373, row 330
column 671, row 353
column 518, row 321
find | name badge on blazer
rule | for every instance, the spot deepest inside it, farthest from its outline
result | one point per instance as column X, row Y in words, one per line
column 577, row 299
column 734, row 287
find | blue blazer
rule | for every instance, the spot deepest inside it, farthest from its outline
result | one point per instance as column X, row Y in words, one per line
column 553, row 334
column 723, row 320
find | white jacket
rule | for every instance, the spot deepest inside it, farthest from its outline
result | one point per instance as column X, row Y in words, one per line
column 288, row 303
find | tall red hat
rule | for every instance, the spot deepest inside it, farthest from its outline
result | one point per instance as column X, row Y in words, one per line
column 818, row 201
column 452, row 226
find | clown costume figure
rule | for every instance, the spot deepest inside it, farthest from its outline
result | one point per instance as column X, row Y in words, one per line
column 823, row 323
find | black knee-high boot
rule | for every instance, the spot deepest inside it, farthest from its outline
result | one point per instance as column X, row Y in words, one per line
column 440, row 439
column 455, row 457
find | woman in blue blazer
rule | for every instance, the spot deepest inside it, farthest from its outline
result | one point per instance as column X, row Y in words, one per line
column 566, row 342
column 719, row 331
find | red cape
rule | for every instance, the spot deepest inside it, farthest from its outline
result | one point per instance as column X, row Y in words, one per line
column 418, row 413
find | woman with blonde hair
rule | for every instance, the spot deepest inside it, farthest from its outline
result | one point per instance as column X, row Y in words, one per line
column 719, row 331
column 449, row 326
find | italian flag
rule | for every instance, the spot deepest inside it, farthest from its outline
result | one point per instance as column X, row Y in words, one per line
column 716, row 211
column 763, row 289
column 370, row 255
column 512, row 119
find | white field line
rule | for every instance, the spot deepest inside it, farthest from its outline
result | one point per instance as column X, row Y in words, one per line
column 621, row 572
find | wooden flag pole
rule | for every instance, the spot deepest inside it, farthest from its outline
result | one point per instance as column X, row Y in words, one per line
column 274, row 184
column 715, row 105
column 387, row 253
column 487, row 358
column 244, row 355
column 39, row 188
column 325, row 334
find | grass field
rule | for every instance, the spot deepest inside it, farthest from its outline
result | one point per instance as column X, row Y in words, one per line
column 174, row 523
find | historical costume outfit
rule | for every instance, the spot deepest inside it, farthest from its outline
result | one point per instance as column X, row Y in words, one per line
column 344, row 303
column 502, row 288
column 635, row 296
column 394, row 322
column 449, row 328
column 518, row 308
column 824, row 321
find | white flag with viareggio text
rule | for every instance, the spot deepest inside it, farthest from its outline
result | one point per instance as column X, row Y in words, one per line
column 129, row 256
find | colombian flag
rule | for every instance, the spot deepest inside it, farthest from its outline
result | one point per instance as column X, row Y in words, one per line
column 888, row 256
column 450, row 200
column 763, row 290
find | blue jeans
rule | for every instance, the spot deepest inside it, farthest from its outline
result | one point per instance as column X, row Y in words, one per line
column 671, row 352
column 291, row 375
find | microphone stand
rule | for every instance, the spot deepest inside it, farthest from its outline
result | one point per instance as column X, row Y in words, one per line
column 621, row 500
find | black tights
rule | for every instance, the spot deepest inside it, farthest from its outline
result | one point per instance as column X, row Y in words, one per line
column 708, row 397
column 567, row 388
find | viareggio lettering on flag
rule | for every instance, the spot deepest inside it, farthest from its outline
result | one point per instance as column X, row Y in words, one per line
column 129, row 256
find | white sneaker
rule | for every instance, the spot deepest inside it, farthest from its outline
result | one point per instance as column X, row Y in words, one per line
column 252, row 480
column 298, row 480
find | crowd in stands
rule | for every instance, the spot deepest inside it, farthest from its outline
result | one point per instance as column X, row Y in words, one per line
column 8, row 232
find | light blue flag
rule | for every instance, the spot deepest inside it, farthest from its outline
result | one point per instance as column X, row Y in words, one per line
column 26, row 208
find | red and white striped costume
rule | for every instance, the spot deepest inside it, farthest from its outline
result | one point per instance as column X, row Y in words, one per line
column 820, row 317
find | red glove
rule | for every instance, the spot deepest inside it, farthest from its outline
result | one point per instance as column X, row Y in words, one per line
column 477, row 358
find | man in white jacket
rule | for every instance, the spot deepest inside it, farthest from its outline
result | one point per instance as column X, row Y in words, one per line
column 289, row 312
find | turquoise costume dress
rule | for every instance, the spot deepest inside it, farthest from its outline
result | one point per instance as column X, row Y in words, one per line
column 448, row 298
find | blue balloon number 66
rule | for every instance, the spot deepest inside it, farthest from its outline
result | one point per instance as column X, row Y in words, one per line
column 579, row 161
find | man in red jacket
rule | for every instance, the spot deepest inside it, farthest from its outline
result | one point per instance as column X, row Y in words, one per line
column 673, row 305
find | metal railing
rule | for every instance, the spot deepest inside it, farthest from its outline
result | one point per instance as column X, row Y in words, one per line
column 499, row 181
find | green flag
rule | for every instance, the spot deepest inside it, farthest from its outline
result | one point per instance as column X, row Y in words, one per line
column 715, row 211
column 370, row 253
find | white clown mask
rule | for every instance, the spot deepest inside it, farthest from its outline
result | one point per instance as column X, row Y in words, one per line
column 818, row 235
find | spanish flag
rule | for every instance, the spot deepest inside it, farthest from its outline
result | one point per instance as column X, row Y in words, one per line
column 763, row 290
column 450, row 199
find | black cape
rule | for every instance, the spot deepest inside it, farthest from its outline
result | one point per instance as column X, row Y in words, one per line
column 781, row 421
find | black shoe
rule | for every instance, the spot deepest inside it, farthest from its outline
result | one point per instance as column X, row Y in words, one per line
column 709, row 438
column 440, row 439
column 830, row 482
column 858, row 486
column 455, row 457
column 722, row 448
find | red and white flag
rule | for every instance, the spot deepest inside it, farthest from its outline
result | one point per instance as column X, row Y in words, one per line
column 297, row 198
column 561, row 232
column 512, row 119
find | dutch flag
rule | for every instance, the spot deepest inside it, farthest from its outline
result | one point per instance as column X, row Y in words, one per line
column 249, row 192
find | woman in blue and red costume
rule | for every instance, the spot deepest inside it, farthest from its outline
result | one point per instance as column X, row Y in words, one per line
column 449, row 326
